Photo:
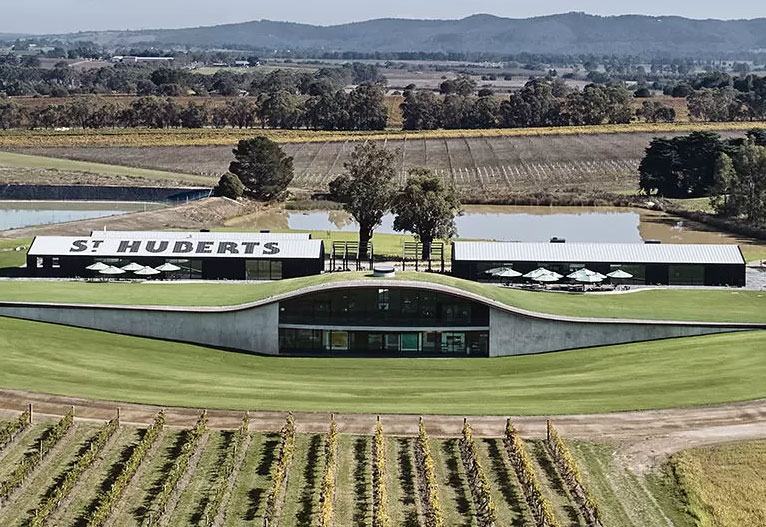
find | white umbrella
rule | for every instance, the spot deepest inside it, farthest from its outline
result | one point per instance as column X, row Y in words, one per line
column 111, row 270
column 98, row 266
column 620, row 274
column 132, row 266
column 147, row 271
column 168, row 268
column 587, row 276
column 590, row 279
column 547, row 277
column 537, row 272
column 504, row 272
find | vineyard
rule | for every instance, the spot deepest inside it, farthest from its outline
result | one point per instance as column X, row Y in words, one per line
column 488, row 164
column 85, row 473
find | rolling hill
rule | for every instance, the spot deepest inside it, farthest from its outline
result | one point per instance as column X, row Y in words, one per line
column 569, row 33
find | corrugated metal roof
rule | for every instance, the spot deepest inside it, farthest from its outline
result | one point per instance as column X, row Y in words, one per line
column 231, row 247
column 597, row 253
column 195, row 235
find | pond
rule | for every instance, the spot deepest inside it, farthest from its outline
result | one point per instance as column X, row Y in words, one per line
column 528, row 224
column 16, row 214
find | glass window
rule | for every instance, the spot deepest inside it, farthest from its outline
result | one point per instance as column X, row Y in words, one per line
column 312, row 341
column 384, row 299
column 392, row 342
column 638, row 271
column 383, row 307
column 453, row 342
column 339, row 340
column 686, row 274
column 263, row 270
column 430, row 341
column 410, row 341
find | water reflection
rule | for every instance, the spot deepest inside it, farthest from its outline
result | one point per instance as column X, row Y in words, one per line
column 16, row 214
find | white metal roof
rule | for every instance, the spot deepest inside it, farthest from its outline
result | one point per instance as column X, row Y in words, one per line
column 196, row 235
column 597, row 253
column 233, row 246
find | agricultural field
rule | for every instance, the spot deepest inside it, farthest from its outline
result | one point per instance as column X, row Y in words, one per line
column 725, row 484
column 20, row 169
column 91, row 473
column 483, row 165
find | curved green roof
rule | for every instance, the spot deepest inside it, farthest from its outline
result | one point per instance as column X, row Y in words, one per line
column 699, row 305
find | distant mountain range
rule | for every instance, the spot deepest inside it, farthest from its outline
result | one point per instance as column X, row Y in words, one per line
column 570, row 33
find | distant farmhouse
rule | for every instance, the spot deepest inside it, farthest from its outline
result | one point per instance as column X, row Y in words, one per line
column 132, row 59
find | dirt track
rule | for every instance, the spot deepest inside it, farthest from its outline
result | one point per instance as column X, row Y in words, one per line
column 644, row 437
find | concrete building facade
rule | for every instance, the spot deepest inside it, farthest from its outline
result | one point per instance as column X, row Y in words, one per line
column 390, row 318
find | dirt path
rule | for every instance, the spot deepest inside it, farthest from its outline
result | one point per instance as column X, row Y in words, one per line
column 206, row 213
column 646, row 437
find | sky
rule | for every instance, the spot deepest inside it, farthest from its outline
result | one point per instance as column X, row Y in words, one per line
column 63, row 16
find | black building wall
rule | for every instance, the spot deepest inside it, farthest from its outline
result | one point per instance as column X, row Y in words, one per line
column 655, row 273
column 212, row 268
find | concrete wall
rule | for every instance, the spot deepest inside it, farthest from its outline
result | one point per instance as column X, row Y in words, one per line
column 100, row 193
column 254, row 329
column 513, row 334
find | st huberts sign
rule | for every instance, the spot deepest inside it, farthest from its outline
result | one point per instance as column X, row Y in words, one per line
column 218, row 246
column 116, row 247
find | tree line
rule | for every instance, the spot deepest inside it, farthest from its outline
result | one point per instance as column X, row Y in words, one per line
column 18, row 78
column 731, row 172
column 361, row 109
column 538, row 103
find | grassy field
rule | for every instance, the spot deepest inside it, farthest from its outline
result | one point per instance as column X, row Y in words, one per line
column 724, row 485
column 660, row 304
column 626, row 498
column 678, row 372
column 245, row 496
column 579, row 160
column 32, row 169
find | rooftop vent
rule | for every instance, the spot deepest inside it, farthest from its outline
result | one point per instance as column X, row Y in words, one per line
column 384, row 271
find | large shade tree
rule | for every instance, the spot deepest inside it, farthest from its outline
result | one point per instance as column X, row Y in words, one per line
column 426, row 207
column 263, row 168
column 368, row 188
column 681, row 167
column 741, row 183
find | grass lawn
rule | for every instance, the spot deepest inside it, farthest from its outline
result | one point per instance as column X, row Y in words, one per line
column 724, row 484
column 679, row 372
column 663, row 304
column 9, row 256
column 11, row 160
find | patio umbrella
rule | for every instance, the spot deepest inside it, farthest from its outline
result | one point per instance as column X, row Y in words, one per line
column 132, row 266
column 147, row 271
column 547, row 277
column 504, row 272
column 620, row 274
column 591, row 279
column 111, row 271
column 168, row 268
column 537, row 272
column 98, row 266
column 586, row 276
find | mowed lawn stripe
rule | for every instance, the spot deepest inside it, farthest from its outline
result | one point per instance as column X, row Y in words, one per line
column 670, row 373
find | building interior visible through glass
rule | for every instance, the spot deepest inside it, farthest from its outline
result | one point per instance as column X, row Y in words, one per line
column 386, row 321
